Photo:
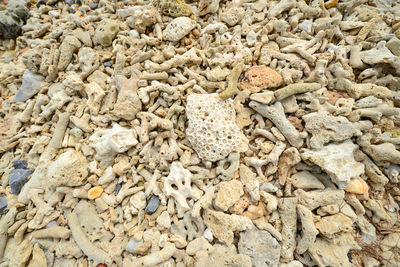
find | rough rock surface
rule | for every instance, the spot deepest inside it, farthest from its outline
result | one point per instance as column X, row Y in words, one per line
column 258, row 78
column 106, row 32
column 228, row 194
column 337, row 160
column 178, row 28
column 261, row 247
column 70, row 169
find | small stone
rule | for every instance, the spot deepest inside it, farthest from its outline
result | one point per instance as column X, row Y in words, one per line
column 19, row 164
column 3, row 204
column 71, row 10
column 261, row 247
column 118, row 188
column 93, row 6
column 18, row 178
column 178, row 28
column 95, row 192
column 258, row 78
column 164, row 220
column 40, row 2
column 106, row 32
column 54, row 14
column 69, row 2
column 305, row 180
column 107, row 64
column 265, row 97
column 153, row 204
column 330, row 226
column 31, row 83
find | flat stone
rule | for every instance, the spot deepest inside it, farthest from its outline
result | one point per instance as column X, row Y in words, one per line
column 106, row 32
column 20, row 164
column 337, row 160
column 265, row 97
column 3, row 204
column 18, row 178
column 31, row 83
column 305, row 180
column 164, row 220
column 261, row 247
column 258, row 78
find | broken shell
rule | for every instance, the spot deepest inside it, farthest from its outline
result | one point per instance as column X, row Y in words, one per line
column 95, row 192
column 357, row 186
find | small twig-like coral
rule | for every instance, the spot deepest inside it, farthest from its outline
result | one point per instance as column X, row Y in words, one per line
column 232, row 80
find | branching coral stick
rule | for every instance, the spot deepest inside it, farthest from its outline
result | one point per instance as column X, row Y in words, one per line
column 232, row 80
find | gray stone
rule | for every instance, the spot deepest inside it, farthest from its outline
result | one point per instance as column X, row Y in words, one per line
column 12, row 19
column 261, row 247
column 3, row 204
column 19, row 164
column 18, row 178
column 31, row 83
column 153, row 204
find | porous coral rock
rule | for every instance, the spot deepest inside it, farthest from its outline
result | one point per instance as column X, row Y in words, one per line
column 330, row 226
column 305, row 180
column 325, row 128
column 261, row 247
column 337, row 160
column 70, row 169
column 180, row 178
column 109, row 142
column 212, row 130
column 178, row 28
column 128, row 102
column 173, row 8
column 258, row 78
column 106, row 32
column 222, row 256
column 228, row 194
column 223, row 225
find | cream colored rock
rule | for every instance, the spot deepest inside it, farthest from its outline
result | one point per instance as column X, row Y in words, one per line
column 337, row 160
column 221, row 256
column 178, row 28
column 222, row 225
column 95, row 96
column 109, row 142
column 106, row 32
column 128, row 102
column 164, row 220
column 228, row 194
column 330, row 226
column 70, row 169
column 305, row 180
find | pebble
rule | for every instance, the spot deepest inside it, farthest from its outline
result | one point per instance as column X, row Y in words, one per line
column 69, row 2
column 31, row 83
column 95, row 192
column 117, row 188
column 20, row 164
column 153, row 204
column 258, row 78
column 18, row 178
column 40, row 2
column 54, row 14
column 93, row 6
column 107, row 64
column 3, row 205
column 71, row 10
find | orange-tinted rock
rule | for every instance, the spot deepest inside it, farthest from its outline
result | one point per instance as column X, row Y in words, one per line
column 258, row 78
column 334, row 96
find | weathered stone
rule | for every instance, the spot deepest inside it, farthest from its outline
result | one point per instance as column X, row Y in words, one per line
column 333, row 252
column 305, row 180
column 18, row 178
column 261, row 247
column 164, row 220
column 288, row 214
column 337, row 160
column 128, row 102
column 228, row 194
column 178, row 28
column 325, row 128
column 69, row 169
column 106, row 32
column 329, row 226
column 258, row 78
column 222, row 256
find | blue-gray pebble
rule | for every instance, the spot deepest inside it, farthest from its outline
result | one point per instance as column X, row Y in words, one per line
column 18, row 178
column 19, row 164
column 3, row 204
column 153, row 204
column 31, row 83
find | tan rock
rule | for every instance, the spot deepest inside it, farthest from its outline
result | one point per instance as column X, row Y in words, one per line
column 329, row 226
column 258, row 78
column 228, row 194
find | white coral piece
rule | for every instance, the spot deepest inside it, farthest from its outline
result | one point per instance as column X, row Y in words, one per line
column 181, row 178
column 212, row 129
column 110, row 142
